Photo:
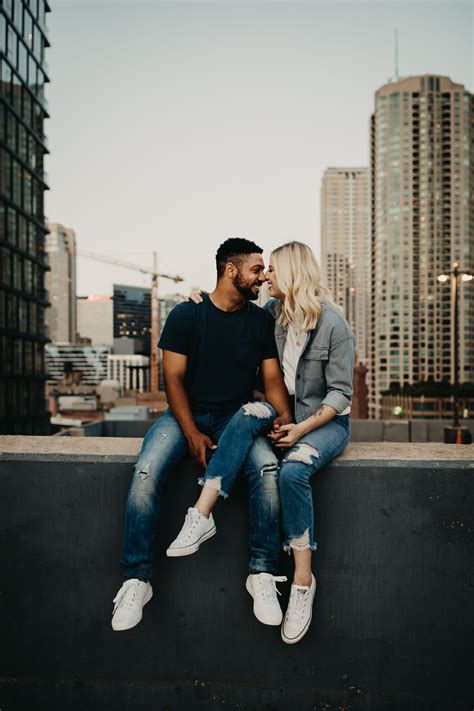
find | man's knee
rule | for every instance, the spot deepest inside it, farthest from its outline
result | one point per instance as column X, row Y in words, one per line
column 268, row 476
column 143, row 481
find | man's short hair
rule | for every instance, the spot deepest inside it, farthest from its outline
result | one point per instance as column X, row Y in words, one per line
column 235, row 250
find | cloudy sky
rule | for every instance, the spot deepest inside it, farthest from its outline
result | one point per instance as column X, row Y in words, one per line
column 177, row 124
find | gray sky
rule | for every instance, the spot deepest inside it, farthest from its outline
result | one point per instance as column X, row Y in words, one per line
column 175, row 125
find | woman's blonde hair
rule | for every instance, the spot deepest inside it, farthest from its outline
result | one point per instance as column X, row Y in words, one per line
column 299, row 279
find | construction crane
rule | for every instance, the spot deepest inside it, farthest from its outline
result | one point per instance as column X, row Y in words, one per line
column 155, row 318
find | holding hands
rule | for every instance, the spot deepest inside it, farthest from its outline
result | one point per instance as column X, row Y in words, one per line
column 286, row 435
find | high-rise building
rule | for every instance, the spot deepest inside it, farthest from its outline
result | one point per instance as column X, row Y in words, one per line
column 422, row 220
column 132, row 319
column 345, row 246
column 23, row 298
column 61, row 319
column 95, row 319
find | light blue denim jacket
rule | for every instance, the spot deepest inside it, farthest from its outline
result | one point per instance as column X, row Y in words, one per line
column 325, row 368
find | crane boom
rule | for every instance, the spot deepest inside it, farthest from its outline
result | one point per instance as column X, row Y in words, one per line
column 125, row 265
column 155, row 326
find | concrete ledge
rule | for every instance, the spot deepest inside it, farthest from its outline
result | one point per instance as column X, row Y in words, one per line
column 126, row 449
column 394, row 612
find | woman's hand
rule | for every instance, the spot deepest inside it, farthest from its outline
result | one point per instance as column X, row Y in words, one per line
column 286, row 435
column 196, row 296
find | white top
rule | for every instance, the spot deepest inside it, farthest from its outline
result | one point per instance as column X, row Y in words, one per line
column 294, row 345
column 295, row 342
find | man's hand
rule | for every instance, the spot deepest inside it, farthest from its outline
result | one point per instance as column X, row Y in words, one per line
column 287, row 435
column 277, row 433
column 197, row 442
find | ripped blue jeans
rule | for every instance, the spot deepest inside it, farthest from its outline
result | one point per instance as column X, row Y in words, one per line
column 251, row 420
column 163, row 447
column 298, row 465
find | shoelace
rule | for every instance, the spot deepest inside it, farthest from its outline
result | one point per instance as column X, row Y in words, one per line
column 268, row 588
column 126, row 595
column 191, row 520
column 297, row 604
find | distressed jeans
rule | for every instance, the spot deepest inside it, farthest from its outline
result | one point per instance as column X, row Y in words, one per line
column 249, row 421
column 298, row 465
column 164, row 446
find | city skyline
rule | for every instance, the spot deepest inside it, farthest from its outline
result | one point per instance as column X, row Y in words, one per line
column 220, row 120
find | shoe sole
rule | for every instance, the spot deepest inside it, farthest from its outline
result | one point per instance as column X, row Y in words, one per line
column 263, row 620
column 287, row 640
column 148, row 597
column 189, row 550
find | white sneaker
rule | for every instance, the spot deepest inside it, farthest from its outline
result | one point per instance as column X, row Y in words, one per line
column 129, row 603
column 298, row 615
column 196, row 529
column 262, row 588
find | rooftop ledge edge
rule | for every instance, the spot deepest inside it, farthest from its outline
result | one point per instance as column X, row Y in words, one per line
column 125, row 450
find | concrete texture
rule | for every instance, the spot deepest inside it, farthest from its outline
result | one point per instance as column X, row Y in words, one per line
column 127, row 449
column 393, row 617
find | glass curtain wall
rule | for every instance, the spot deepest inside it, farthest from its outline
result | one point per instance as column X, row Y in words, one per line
column 23, row 299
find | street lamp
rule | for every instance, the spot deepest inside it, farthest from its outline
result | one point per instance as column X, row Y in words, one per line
column 456, row 434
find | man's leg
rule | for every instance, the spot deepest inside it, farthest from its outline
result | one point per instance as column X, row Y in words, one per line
column 261, row 472
column 163, row 446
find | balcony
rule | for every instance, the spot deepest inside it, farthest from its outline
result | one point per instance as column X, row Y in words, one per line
column 392, row 623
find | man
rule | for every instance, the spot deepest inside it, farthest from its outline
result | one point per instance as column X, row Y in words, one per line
column 211, row 354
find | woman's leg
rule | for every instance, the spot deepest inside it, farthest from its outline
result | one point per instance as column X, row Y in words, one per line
column 302, row 461
column 302, row 575
column 310, row 454
column 234, row 444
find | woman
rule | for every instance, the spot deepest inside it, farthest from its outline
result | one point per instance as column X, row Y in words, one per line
column 316, row 350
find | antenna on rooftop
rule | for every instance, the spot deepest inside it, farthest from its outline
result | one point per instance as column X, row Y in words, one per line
column 396, row 55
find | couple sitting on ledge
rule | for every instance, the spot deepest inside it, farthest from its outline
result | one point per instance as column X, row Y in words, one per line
column 302, row 348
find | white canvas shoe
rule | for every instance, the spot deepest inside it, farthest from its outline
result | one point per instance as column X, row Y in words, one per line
column 196, row 529
column 129, row 603
column 298, row 615
column 266, row 608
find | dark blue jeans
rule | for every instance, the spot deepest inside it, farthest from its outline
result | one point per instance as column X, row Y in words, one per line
column 164, row 446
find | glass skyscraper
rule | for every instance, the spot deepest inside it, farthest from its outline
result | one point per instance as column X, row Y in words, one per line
column 23, row 299
column 422, row 221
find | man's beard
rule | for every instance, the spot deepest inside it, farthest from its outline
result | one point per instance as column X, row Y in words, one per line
column 242, row 287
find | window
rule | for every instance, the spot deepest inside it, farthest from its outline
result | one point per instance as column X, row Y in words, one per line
column 22, row 60
column 11, row 47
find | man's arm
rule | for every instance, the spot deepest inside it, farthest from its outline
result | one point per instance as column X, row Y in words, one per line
column 275, row 389
column 174, row 370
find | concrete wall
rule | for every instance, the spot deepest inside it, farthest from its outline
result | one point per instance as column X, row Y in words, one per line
column 393, row 615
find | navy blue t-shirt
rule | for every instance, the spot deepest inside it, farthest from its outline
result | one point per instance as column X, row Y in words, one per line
column 224, row 351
